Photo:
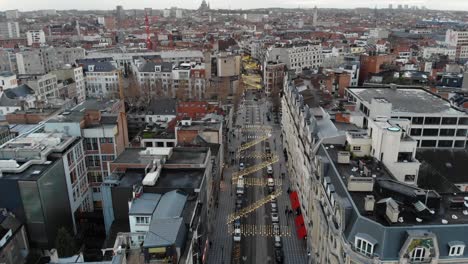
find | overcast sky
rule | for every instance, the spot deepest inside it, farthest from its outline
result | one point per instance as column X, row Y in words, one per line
column 26, row 5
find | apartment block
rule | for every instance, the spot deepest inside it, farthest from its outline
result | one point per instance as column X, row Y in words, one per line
column 44, row 183
column 358, row 190
column 44, row 60
column 35, row 37
column 434, row 123
column 9, row 29
column 101, row 78
column 296, row 55
column 103, row 127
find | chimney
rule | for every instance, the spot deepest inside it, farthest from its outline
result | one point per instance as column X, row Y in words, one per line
column 392, row 211
column 369, row 203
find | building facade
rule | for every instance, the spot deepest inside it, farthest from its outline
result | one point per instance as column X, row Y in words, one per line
column 357, row 192
column 296, row 55
column 9, row 30
column 35, row 37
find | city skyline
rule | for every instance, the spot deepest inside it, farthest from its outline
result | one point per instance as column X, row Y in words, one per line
column 28, row 5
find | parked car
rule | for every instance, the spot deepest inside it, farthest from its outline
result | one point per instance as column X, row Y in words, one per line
column 237, row 235
column 237, row 224
column 278, row 243
column 279, row 258
column 274, row 207
column 270, row 170
column 238, row 203
column 274, row 217
column 241, row 166
column 276, row 229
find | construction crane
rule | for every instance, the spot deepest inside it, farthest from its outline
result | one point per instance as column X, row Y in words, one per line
column 149, row 44
column 249, row 209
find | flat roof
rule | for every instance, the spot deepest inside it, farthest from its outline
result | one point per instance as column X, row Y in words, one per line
column 408, row 100
column 180, row 178
column 32, row 173
column 145, row 204
column 131, row 155
column 451, row 164
column 94, row 104
column 406, row 194
column 188, row 156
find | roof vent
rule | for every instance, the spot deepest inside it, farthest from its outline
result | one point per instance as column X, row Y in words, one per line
column 444, row 221
column 36, row 172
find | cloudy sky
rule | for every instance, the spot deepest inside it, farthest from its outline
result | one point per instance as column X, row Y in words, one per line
column 27, row 5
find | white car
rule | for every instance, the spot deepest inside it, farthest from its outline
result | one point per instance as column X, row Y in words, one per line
column 241, row 166
column 274, row 207
column 237, row 235
column 274, row 217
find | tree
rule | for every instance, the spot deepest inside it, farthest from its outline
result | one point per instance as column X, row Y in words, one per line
column 64, row 243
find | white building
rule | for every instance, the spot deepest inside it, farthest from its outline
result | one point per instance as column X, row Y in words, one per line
column 434, row 122
column 458, row 39
column 166, row 13
column 185, row 81
column 9, row 30
column 179, row 13
column 353, row 189
column 8, row 80
column 45, row 86
column 35, row 37
column 76, row 75
column 297, row 55
column 102, row 80
column 428, row 52
column 12, row 14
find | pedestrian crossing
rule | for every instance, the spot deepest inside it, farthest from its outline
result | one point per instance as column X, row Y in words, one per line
column 261, row 182
column 255, row 155
column 262, row 230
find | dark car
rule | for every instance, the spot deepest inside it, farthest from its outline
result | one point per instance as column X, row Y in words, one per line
column 279, row 256
column 238, row 203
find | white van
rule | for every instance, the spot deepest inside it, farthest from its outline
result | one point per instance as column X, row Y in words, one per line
column 269, row 169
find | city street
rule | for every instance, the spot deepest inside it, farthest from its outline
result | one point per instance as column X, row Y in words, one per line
column 256, row 246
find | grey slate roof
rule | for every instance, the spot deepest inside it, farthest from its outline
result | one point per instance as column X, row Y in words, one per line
column 145, row 205
column 163, row 232
column 150, row 66
column 19, row 91
column 165, row 106
column 99, row 66
column 170, row 205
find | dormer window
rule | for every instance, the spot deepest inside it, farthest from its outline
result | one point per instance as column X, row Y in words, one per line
column 364, row 244
column 157, row 68
column 91, row 68
column 456, row 248
column 419, row 254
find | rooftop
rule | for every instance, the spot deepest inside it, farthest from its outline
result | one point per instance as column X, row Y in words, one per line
column 184, row 179
column 96, row 104
column 447, row 162
column 414, row 204
column 131, row 156
column 145, row 204
column 6, row 74
column 192, row 155
column 407, row 100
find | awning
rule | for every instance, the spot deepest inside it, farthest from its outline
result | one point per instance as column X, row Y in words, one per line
column 300, row 227
column 294, row 200
column 301, row 232
column 299, row 221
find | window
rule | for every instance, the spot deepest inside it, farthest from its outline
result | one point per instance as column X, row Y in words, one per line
column 456, row 250
column 461, row 132
column 432, row 121
column 143, row 220
column 418, row 254
column 463, row 121
column 416, row 131
column 449, row 120
column 364, row 247
column 418, row 120
column 445, row 143
column 410, row 178
column 110, row 140
column 356, row 148
column 428, row 143
column 91, row 144
column 459, row 144
column 430, row 132
column 447, row 132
